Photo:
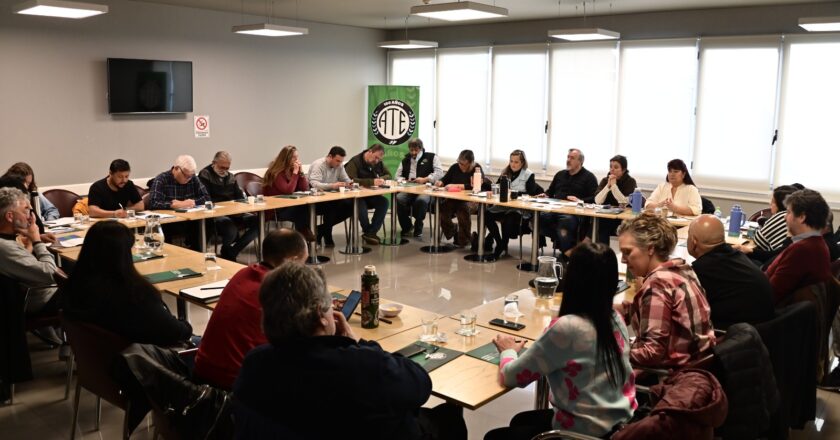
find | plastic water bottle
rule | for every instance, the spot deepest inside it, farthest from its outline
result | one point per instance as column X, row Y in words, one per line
column 636, row 201
column 476, row 181
column 718, row 213
column 736, row 217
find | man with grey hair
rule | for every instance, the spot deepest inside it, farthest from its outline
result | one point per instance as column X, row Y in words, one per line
column 179, row 188
column 221, row 186
column 577, row 184
column 23, row 256
column 314, row 355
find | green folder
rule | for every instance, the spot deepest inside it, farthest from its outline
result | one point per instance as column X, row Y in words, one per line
column 137, row 258
column 172, row 275
column 489, row 353
column 417, row 352
column 289, row 196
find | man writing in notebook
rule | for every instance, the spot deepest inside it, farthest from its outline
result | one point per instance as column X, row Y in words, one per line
column 113, row 195
column 179, row 188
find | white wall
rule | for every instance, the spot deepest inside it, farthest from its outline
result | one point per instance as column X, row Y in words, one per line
column 261, row 93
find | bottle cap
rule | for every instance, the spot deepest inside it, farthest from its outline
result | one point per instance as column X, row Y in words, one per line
column 370, row 269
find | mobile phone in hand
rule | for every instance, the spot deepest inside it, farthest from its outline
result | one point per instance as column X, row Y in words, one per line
column 351, row 304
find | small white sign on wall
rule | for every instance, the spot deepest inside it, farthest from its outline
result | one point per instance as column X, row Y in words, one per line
column 201, row 124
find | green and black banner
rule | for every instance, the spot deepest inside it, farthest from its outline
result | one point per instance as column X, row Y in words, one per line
column 393, row 119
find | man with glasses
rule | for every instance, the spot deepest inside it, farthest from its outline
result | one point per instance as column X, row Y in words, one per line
column 367, row 169
column 179, row 188
column 421, row 167
column 221, row 185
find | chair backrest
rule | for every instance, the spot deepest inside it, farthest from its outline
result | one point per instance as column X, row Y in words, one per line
column 63, row 200
column 244, row 177
column 254, row 188
column 145, row 199
column 142, row 191
column 95, row 350
column 708, row 207
column 15, row 363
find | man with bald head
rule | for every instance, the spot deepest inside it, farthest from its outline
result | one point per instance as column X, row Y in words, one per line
column 736, row 289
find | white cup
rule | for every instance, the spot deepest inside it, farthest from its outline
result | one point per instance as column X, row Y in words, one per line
column 341, row 189
column 251, row 200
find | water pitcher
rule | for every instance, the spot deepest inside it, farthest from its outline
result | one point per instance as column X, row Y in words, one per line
column 153, row 236
column 549, row 274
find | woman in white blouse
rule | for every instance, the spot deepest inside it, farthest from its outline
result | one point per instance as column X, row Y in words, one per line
column 678, row 193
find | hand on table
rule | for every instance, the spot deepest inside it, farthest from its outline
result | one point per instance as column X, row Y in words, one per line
column 189, row 203
column 120, row 213
column 573, row 198
column 505, row 342
column 421, row 180
column 378, row 182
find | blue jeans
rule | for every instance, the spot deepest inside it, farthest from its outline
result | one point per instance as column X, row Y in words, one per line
column 412, row 205
column 561, row 228
column 380, row 206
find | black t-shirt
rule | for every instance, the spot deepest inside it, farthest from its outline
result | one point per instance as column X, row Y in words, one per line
column 100, row 195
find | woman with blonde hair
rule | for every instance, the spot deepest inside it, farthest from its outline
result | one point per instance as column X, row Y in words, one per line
column 284, row 176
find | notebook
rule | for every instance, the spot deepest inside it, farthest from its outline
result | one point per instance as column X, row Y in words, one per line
column 438, row 355
column 71, row 240
column 205, row 293
column 137, row 258
column 172, row 275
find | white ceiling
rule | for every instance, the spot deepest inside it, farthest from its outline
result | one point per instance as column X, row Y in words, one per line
column 391, row 14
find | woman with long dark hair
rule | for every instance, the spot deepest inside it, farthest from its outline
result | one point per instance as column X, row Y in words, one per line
column 105, row 289
column 678, row 193
column 584, row 354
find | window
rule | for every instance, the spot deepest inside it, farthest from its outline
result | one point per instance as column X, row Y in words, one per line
column 808, row 142
column 417, row 68
column 519, row 107
column 657, row 83
column 736, row 112
column 462, row 97
column 583, row 94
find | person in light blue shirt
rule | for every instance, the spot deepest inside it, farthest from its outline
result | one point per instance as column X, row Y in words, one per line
column 24, row 172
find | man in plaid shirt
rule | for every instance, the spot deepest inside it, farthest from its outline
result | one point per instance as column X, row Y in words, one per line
column 669, row 315
column 179, row 188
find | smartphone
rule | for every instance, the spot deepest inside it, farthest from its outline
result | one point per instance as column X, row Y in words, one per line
column 507, row 324
column 351, row 304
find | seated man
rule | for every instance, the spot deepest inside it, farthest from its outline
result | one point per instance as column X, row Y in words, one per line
column 736, row 289
column 23, row 255
column 459, row 177
column 179, row 188
column 367, row 169
column 804, row 262
column 831, row 240
column 327, row 174
column 234, row 327
column 314, row 359
column 112, row 195
column 420, row 167
column 222, row 187
column 575, row 183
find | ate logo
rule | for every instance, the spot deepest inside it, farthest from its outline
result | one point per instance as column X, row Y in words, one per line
column 393, row 122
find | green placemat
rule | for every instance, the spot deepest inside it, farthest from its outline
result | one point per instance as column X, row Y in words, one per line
column 487, row 352
column 289, row 196
column 138, row 258
column 417, row 352
column 172, row 275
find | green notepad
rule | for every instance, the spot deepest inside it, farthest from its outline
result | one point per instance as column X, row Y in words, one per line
column 138, row 258
column 172, row 275
column 417, row 353
column 488, row 352
column 289, row 196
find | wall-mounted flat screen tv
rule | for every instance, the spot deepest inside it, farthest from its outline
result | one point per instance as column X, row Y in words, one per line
column 149, row 86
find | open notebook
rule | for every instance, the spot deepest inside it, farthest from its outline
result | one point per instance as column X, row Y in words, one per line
column 205, row 293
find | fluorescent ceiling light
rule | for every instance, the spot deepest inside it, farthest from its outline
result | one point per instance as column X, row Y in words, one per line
column 269, row 30
column 408, row 44
column 459, row 11
column 59, row 8
column 820, row 24
column 586, row 34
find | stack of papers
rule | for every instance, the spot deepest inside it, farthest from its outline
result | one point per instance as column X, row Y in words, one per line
column 205, row 293
column 69, row 241
column 63, row 221
column 142, row 215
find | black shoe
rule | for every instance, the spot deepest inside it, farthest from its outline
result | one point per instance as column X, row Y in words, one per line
column 49, row 336
column 418, row 229
column 325, row 235
column 474, row 242
column 370, row 239
column 405, row 233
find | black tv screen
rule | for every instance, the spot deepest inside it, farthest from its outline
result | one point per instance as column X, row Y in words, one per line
column 149, row 86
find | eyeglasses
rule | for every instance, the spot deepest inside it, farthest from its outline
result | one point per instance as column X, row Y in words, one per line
column 186, row 173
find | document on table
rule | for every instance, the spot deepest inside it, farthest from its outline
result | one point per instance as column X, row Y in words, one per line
column 205, row 293
column 142, row 215
column 63, row 221
column 69, row 241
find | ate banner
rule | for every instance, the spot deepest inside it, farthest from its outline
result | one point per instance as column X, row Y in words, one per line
column 393, row 120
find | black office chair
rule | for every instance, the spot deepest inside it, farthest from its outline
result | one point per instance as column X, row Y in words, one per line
column 708, row 206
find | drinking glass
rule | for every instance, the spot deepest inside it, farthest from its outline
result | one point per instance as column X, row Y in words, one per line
column 210, row 262
column 208, row 205
column 430, row 328
column 467, row 319
column 260, row 199
column 130, row 214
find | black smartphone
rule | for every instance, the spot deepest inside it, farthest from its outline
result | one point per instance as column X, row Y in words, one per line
column 350, row 305
column 507, row 324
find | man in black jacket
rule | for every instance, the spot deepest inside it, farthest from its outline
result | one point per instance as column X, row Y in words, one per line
column 737, row 290
column 221, row 185
column 367, row 169
column 577, row 184
column 421, row 167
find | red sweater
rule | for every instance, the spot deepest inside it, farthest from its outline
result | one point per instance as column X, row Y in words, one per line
column 284, row 185
column 801, row 264
column 233, row 330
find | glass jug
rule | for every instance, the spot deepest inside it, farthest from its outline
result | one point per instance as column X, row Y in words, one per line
column 549, row 274
column 153, row 236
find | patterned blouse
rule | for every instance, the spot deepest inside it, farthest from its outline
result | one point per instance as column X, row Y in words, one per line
column 583, row 399
column 671, row 317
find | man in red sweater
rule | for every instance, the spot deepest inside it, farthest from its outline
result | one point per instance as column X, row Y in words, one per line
column 234, row 327
column 806, row 261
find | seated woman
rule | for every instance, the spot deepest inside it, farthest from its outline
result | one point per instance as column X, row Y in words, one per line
column 678, row 193
column 669, row 315
column 285, row 176
column 458, row 178
column 23, row 171
column 613, row 190
column 314, row 359
column 772, row 236
column 584, row 354
column 521, row 180
column 105, row 289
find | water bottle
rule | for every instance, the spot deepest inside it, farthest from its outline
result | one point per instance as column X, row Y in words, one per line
column 736, row 218
column 636, row 201
column 476, row 181
column 370, row 298
column 718, row 213
column 504, row 187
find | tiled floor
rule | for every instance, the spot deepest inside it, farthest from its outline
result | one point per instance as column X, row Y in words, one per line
column 442, row 283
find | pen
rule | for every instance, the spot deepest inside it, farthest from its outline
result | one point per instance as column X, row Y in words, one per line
column 212, row 288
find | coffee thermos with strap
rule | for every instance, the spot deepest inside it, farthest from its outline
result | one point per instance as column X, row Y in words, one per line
column 504, row 187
